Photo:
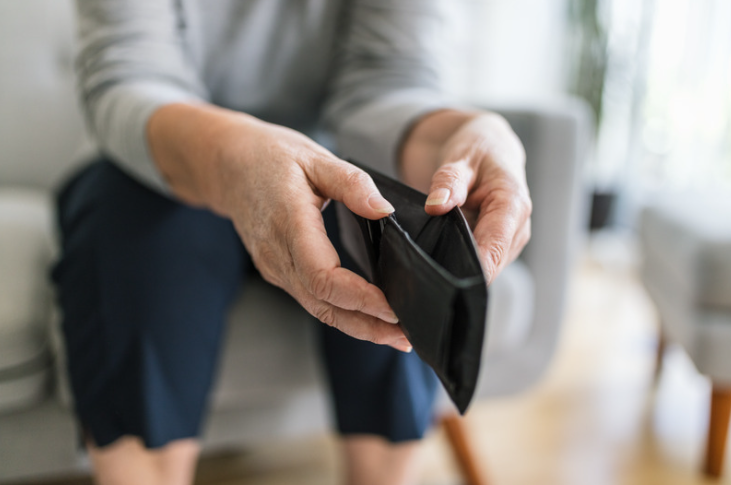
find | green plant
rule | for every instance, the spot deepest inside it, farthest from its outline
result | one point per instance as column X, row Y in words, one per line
column 589, row 49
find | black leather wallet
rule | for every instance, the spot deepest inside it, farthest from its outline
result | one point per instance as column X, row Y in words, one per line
column 429, row 270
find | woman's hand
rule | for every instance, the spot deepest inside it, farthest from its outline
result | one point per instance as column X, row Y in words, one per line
column 475, row 161
column 273, row 182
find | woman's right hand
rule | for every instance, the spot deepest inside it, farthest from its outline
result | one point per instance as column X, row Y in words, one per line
column 273, row 182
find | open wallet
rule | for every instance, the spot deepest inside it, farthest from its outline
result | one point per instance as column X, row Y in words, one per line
column 429, row 270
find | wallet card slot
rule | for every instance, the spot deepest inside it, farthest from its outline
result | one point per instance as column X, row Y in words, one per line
column 420, row 297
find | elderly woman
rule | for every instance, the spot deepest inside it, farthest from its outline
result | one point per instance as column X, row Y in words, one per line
column 212, row 120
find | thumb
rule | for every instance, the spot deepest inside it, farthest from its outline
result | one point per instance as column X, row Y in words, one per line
column 344, row 182
column 449, row 187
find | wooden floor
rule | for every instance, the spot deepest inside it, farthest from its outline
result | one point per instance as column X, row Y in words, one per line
column 595, row 419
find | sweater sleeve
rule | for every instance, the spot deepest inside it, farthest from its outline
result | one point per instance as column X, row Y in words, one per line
column 131, row 60
column 387, row 77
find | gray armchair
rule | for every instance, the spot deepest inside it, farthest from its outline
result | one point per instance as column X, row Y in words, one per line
column 270, row 384
column 686, row 270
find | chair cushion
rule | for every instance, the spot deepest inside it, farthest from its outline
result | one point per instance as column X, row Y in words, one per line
column 26, row 252
column 25, row 385
column 270, row 348
column 687, row 246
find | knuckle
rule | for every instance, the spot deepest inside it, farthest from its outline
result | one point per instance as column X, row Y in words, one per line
column 361, row 304
column 499, row 202
column 326, row 314
column 379, row 339
column 355, row 179
column 494, row 255
column 517, row 208
column 369, row 335
column 449, row 175
column 321, row 285
column 512, row 201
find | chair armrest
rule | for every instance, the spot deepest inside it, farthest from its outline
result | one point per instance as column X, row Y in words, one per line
column 26, row 253
column 556, row 141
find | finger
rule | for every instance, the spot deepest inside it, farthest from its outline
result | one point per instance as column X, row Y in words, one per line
column 317, row 268
column 449, row 187
column 343, row 181
column 497, row 225
column 520, row 241
column 355, row 324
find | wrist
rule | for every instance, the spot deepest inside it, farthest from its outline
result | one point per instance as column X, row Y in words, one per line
column 191, row 145
column 421, row 150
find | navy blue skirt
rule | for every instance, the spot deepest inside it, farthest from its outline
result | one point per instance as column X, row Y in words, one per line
column 145, row 283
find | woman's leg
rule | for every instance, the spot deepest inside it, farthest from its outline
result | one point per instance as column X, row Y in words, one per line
column 128, row 461
column 383, row 401
column 372, row 460
column 144, row 284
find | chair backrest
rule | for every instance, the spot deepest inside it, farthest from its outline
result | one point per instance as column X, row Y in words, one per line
column 42, row 132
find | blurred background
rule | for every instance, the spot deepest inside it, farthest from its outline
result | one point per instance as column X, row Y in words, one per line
column 646, row 88
column 655, row 73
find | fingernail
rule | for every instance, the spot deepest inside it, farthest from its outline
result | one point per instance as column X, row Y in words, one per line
column 438, row 197
column 388, row 316
column 380, row 205
column 403, row 345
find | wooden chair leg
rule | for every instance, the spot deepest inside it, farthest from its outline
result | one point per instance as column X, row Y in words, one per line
column 717, row 430
column 463, row 450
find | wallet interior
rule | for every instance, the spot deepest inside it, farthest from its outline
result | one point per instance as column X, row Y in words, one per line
column 451, row 249
column 429, row 270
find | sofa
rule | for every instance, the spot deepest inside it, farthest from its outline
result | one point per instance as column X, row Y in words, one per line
column 270, row 384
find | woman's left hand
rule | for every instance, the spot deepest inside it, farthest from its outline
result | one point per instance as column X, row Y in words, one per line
column 474, row 161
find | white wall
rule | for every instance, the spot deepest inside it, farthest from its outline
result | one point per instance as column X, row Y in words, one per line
column 510, row 50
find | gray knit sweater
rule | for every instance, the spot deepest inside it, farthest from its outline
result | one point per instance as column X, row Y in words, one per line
column 361, row 69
